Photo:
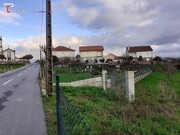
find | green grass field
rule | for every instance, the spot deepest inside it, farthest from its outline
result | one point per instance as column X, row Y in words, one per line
column 155, row 111
column 68, row 74
column 70, row 77
column 8, row 67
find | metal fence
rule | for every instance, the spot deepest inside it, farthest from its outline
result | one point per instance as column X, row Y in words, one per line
column 141, row 72
column 69, row 118
column 116, row 81
column 116, row 86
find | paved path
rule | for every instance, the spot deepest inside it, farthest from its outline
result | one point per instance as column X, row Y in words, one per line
column 21, row 108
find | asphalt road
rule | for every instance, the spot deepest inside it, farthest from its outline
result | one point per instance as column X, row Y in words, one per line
column 21, row 108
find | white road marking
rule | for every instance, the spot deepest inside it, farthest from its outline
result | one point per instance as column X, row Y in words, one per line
column 19, row 99
column 7, row 82
column 20, row 74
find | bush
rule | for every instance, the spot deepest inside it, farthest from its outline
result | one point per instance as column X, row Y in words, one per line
column 95, row 71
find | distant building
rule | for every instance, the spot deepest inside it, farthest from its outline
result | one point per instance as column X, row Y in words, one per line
column 63, row 52
column 110, row 56
column 1, row 48
column 135, row 51
column 9, row 54
column 91, row 53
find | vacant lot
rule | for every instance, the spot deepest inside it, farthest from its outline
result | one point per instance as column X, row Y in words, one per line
column 71, row 74
column 155, row 111
column 70, row 77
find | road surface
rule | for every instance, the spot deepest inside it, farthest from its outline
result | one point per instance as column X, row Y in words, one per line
column 21, row 108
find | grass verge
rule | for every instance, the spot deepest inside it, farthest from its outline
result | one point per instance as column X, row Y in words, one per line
column 8, row 67
column 155, row 111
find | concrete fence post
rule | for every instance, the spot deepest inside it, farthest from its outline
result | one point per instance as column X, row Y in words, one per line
column 130, row 87
column 104, row 79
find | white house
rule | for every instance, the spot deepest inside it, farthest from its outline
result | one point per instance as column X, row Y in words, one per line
column 110, row 56
column 135, row 51
column 62, row 52
column 9, row 54
column 91, row 52
column 1, row 48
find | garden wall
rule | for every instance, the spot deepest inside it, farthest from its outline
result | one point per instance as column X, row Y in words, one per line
column 97, row 82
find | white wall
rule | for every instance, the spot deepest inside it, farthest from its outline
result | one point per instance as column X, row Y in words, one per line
column 132, row 54
column 61, row 54
column 90, row 54
column 109, row 56
column 147, row 54
column 97, row 82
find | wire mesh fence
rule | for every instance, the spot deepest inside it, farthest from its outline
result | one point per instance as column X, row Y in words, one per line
column 141, row 72
column 116, row 81
column 70, row 120
column 116, row 85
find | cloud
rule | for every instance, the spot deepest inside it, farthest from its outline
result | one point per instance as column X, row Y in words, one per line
column 30, row 45
column 164, row 50
column 119, row 23
column 9, row 17
column 99, row 14
column 116, row 24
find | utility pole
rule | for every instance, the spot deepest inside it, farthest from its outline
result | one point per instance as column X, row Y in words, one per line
column 40, row 53
column 44, row 65
column 49, row 69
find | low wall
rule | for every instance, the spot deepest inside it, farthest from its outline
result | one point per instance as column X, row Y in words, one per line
column 140, row 77
column 97, row 82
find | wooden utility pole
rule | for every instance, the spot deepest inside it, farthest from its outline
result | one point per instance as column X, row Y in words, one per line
column 49, row 82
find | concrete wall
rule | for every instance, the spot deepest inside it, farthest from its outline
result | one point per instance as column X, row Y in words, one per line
column 97, row 82
column 139, row 78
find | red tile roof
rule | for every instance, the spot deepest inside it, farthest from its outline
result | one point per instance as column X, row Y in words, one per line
column 62, row 48
column 139, row 48
column 91, row 48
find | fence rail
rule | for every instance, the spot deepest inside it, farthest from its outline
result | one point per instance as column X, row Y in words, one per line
column 69, row 118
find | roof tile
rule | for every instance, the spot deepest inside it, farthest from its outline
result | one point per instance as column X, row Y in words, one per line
column 139, row 48
column 62, row 48
column 91, row 48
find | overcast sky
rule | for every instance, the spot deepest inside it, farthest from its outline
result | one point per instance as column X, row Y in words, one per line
column 115, row 24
